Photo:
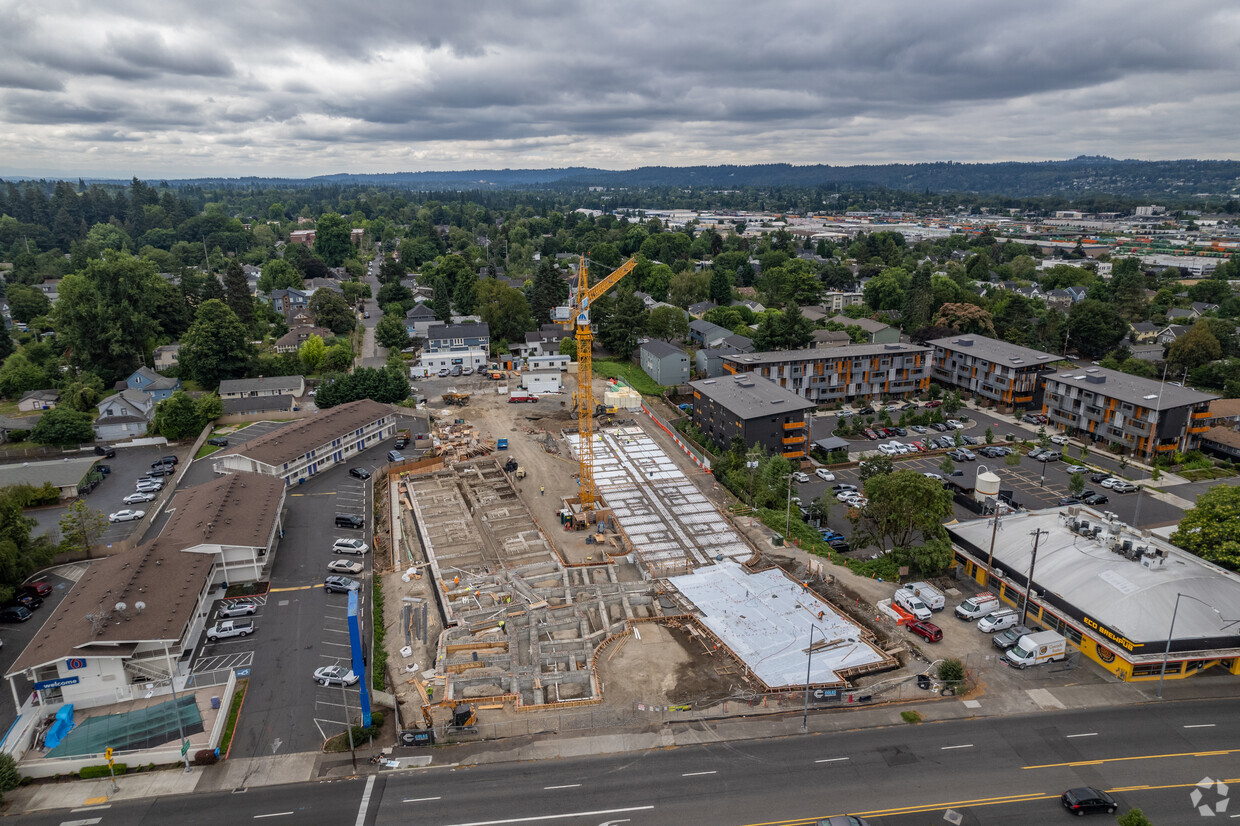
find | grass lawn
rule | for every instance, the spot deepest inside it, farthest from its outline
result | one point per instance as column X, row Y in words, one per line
column 630, row 373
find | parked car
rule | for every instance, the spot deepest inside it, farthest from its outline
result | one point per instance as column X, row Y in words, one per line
column 1029, row 418
column 340, row 584
column 1098, row 477
column 934, row 476
column 31, row 601
column 345, row 566
column 444, row 372
column 38, row 588
column 1068, row 500
column 900, row 431
column 933, row 404
column 1006, row 639
column 105, row 451
column 1059, row 439
column 15, row 613
column 236, row 608
column 955, row 425
column 824, row 474
column 1076, row 470
column 350, row 546
column 999, row 620
column 919, row 446
column 334, row 675
column 839, row 544
column 961, row 455
column 359, row 473
column 801, row 477
column 1110, row 482
column 842, row 487
column 829, row 534
column 1088, row 800
column 1095, row 499
column 889, row 450
column 1049, row 456
column 218, row 441
column 149, row 485
column 230, row 628
column 138, row 498
column 938, row 426
column 909, row 406
column 926, row 629
column 126, row 515
column 918, row 428
column 869, row 434
column 866, row 411
column 1123, row 487
column 971, row 441
column 160, row 470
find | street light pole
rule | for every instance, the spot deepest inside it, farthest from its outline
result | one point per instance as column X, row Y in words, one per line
column 809, row 659
column 1024, row 608
column 1162, row 673
column 176, row 705
column 788, row 519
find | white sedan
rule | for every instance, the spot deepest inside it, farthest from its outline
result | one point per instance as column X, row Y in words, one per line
column 824, row 474
column 345, row 566
column 126, row 516
column 350, row 546
column 1059, row 439
column 1077, row 469
column 936, row 477
column 138, row 498
column 801, row 477
column 1110, row 481
column 334, row 675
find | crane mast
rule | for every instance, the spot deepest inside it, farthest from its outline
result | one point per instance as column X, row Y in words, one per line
column 584, row 397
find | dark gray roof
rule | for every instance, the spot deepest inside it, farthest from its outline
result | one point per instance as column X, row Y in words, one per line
column 993, row 350
column 819, row 353
column 475, row 330
column 420, row 311
column 282, row 383
column 750, row 396
column 294, row 440
column 259, row 404
column 832, row 443
column 867, row 324
column 1148, row 393
column 60, row 472
column 659, row 349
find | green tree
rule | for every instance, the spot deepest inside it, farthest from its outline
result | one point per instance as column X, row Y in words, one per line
column 331, row 239
column 1095, row 327
column 919, row 305
column 311, row 353
column 1076, row 484
column 442, row 302
column 947, row 466
column 1211, row 529
column 568, row 347
column 548, row 291
column 81, row 527
column 63, row 427
column 875, row 465
column 390, row 332
column 620, row 332
column 887, row 290
column 27, row 303
column 337, row 359
column 667, row 323
column 355, row 291
column 990, row 436
column 930, row 558
column 504, row 309
column 176, row 417
column 396, row 293
column 720, row 288
column 210, row 407
column 237, row 293
column 332, row 311
column 19, row 375
column 279, row 274
column 1196, row 347
column 951, row 403
column 904, row 505
column 465, row 295
column 216, row 346
column 1134, row 817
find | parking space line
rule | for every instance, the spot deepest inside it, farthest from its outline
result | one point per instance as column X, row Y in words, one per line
column 296, row 588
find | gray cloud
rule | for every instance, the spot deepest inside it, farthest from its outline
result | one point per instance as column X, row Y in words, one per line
column 301, row 88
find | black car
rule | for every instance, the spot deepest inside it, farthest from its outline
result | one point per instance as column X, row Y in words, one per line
column 867, row 411
column 160, row 470
column 106, row 452
column 217, row 442
column 900, row 431
column 939, row 426
column 359, row 473
column 1088, row 800
column 31, row 601
column 839, row 544
column 1098, row 477
column 969, row 440
column 1094, row 499
column 1069, row 500
column 15, row 613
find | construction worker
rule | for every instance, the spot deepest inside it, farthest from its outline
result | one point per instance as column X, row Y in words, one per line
column 542, row 491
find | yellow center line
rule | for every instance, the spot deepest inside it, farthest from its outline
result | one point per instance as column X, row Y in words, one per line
column 1137, row 757
column 326, row 493
column 296, row 588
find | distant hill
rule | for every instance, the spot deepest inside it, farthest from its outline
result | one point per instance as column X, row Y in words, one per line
column 1079, row 176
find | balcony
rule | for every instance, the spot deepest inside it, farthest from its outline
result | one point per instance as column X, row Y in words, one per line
column 793, row 440
column 793, row 425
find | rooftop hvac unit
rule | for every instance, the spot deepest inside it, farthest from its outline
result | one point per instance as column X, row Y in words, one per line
column 1074, row 511
column 1153, row 561
column 1097, row 530
column 1075, row 525
column 1127, row 545
column 1084, row 526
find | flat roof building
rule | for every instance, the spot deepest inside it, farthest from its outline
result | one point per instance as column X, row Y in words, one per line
column 840, row 374
column 1143, row 417
column 1110, row 590
column 1008, row 375
column 756, row 409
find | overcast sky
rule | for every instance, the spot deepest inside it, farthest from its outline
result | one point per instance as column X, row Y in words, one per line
column 180, row 89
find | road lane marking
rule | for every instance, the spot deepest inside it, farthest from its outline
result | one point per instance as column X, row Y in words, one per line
column 697, row 774
column 1086, row 734
column 1202, row 725
column 273, row 814
column 90, row 808
column 1137, row 757
column 831, row 759
column 365, row 804
column 965, row 746
column 419, row 799
column 295, row 588
column 90, row 821
column 989, row 801
column 553, row 817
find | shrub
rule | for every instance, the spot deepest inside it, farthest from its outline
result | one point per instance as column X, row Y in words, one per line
column 911, row 716
column 93, row 772
column 205, row 757
column 1134, row 817
column 363, row 733
column 951, row 672
column 378, row 679
column 10, row 779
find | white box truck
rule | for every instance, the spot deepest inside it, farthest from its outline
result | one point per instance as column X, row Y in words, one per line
column 977, row 606
column 910, row 602
column 929, row 594
column 1044, row 646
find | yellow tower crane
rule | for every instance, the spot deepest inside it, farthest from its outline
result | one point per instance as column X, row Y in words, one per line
column 584, row 397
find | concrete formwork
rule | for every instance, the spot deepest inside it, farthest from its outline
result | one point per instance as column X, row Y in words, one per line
column 671, row 526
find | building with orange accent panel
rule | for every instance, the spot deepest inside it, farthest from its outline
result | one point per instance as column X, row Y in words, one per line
column 759, row 411
column 1008, row 375
column 841, row 374
column 1145, row 417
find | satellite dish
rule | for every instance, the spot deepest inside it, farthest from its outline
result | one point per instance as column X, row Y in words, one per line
column 139, row 606
column 120, row 606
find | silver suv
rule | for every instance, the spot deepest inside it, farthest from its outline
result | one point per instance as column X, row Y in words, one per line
column 237, row 608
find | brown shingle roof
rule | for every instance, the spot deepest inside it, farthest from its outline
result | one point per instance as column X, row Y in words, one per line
column 294, row 440
column 1222, row 436
column 237, row 509
column 1224, row 408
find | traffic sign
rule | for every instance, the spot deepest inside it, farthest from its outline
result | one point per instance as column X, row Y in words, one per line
column 107, row 754
column 184, row 748
column 243, row 672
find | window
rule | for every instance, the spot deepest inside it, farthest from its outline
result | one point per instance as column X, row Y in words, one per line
column 1151, row 669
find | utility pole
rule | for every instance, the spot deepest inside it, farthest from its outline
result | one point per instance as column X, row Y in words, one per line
column 788, row 520
column 994, row 531
column 1024, row 609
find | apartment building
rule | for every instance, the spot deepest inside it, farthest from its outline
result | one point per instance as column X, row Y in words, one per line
column 756, row 409
column 841, row 374
column 1145, row 417
column 1008, row 375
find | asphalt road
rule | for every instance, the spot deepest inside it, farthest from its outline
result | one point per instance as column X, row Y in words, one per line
column 1007, row 771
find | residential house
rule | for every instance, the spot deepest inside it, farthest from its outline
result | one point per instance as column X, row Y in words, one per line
column 291, row 341
column 124, row 415
column 814, row 314
column 11, row 424
column 666, row 364
column 66, row 474
column 742, row 344
column 305, row 237
column 1143, row 332
column 831, row 338
column 701, row 308
column 1147, row 352
column 754, row 408
column 287, row 301
column 35, row 400
column 419, row 319
column 834, row 301
column 709, row 363
column 1224, row 413
column 551, row 361
column 263, row 386
column 1181, row 316
column 754, row 305
column 707, row 334
column 166, row 356
column 878, row 332
column 543, row 342
column 158, row 387
column 1221, row 442
column 1171, row 332
column 454, row 345
column 265, row 405
column 1203, row 307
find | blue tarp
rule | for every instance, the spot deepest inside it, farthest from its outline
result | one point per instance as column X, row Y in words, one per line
column 62, row 726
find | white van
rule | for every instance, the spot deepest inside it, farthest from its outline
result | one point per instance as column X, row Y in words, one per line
column 912, row 603
column 1044, row 646
column 977, row 606
column 930, row 595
